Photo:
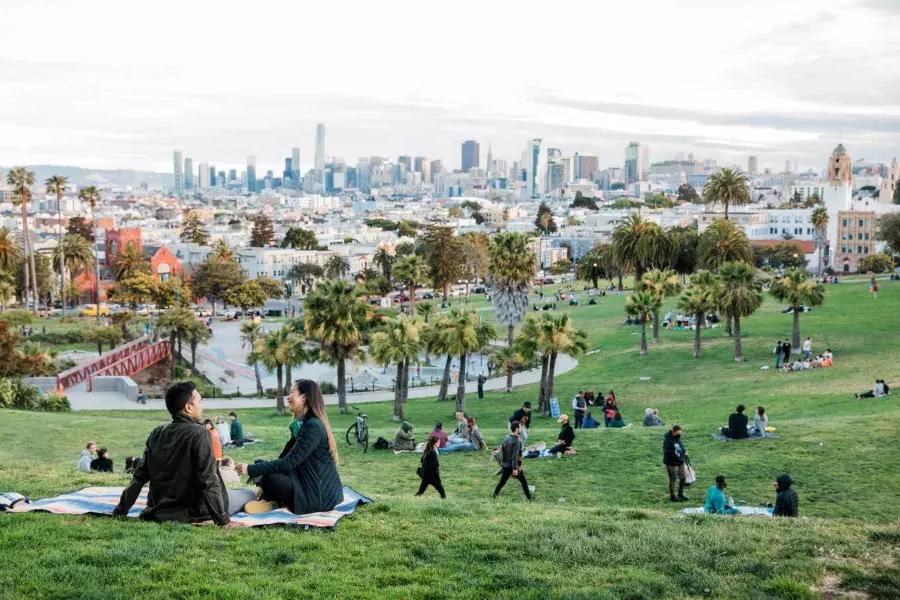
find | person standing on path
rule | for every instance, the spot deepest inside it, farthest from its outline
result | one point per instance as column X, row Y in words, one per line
column 481, row 380
column 511, row 461
column 674, row 454
column 429, row 469
column 778, row 354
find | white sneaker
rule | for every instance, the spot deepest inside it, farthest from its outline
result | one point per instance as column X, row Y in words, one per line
column 531, row 488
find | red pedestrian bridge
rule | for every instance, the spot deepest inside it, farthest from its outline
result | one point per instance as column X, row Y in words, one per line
column 127, row 359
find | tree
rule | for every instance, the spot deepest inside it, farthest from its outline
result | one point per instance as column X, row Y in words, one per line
column 796, row 290
column 658, row 201
column 464, row 334
column 533, row 340
column 21, row 180
column 104, row 334
column 192, row 229
column 687, row 193
column 306, row 273
column 544, row 220
column 74, row 255
column 335, row 316
column 221, row 249
column 592, row 266
column 301, row 239
column 10, row 253
column 262, row 234
column 247, row 295
column 660, row 283
column 781, row 255
column 44, row 280
column 740, row 294
column 642, row 305
column 560, row 267
column 270, row 286
column 251, row 331
column 427, row 310
column 271, row 350
column 56, row 185
column 90, row 195
column 561, row 338
column 897, row 194
column 214, row 277
column 195, row 334
column 171, row 293
column 122, row 320
column 582, row 201
column 13, row 362
column 889, row 230
column 337, row 267
column 384, row 260
column 640, row 245
column 512, row 265
column 79, row 226
column 684, row 241
column 442, row 253
column 476, row 250
column 129, row 262
column 398, row 343
column 819, row 220
column 295, row 354
column 876, row 263
column 728, row 187
column 135, row 290
column 175, row 322
column 436, row 343
column 722, row 242
column 411, row 271
column 7, row 290
column 698, row 300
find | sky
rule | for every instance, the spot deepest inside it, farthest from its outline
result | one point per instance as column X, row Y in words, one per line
column 106, row 84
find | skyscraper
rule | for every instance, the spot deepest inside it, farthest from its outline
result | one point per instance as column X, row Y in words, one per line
column 490, row 159
column 203, row 176
column 320, row 158
column 437, row 167
column 636, row 160
column 534, row 167
column 422, row 165
column 212, row 175
column 407, row 161
column 362, row 173
column 295, row 167
column 470, row 156
column 586, row 166
column 251, row 173
column 188, row 174
column 753, row 165
column 178, row 173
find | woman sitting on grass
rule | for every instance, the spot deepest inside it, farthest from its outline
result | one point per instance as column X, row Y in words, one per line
column 304, row 478
column 404, row 438
column 651, row 418
column 617, row 420
column 760, row 423
column 878, row 390
column 103, row 462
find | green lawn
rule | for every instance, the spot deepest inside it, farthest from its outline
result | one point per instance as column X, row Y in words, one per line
column 602, row 525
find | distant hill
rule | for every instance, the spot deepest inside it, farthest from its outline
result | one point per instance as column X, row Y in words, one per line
column 99, row 177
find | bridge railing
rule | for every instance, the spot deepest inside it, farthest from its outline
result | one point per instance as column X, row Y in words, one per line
column 84, row 371
column 144, row 357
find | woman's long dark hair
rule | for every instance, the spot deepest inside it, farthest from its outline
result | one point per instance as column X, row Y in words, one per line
column 430, row 444
column 316, row 405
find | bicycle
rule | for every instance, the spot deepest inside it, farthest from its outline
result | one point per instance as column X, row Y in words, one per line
column 359, row 431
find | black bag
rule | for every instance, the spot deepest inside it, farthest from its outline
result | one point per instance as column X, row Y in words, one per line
column 381, row 444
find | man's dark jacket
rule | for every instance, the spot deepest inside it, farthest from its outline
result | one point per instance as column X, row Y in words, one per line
column 567, row 435
column 673, row 450
column 307, row 460
column 737, row 426
column 185, row 485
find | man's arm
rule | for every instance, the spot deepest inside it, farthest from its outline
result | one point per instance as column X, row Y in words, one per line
column 139, row 477
column 212, row 492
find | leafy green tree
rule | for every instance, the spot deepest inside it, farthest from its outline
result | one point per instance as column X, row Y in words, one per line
column 640, row 245
column 221, row 249
column 307, row 274
column 251, row 331
column 79, row 226
column 797, row 290
column 685, row 241
column 335, row 317
column 781, row 255
column 103, row 334
column 740, row 294
column 270, row 286
column 193, row 230
column 21, row 181
column 544, row 220
column 876, row 263
column 247, row 295
column 214, row 277
column 582, row 201
column 889, row 230
column 723, row 242
column 662, row 284
column 687, row 193
column 698, row 300
column 171, row 293
column 464, row 334
column 476, row 254
column 130, row 261
column 442, row 253
column 90, row 195
column 560, row 267
column 43, row 280
column 642, row 305
column 658, row 201
column 134, row 290
column 728, row 187
column 411, row 271
column 301, row 239
column 398, row 343
column 7, row 290
column 263, row 233
column 512, row 266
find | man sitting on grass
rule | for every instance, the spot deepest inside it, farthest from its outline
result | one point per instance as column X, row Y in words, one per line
column 566, row 437
column 716, row 502
column 737, row 424
column 237, row 431
column 185, row 485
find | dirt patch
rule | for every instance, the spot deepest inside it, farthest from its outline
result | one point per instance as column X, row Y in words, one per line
column 831, row 589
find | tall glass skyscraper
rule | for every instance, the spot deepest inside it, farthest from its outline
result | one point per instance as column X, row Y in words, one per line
column 470, row 156
column 534, row 166
column 320, row 158
column 295, row 167
column 177, row 172
column 188, row 174
column 636, row 163
column 251, row 173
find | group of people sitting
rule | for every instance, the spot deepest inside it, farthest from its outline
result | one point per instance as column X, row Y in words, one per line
column 466, row 436
column 786, row 500
column 585, row 419
column 738, row 427
column 187, row 481
column 682, row 322
column 93, row 458
column 879, row 390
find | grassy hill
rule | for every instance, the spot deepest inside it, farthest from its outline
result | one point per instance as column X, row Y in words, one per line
column 602, row 525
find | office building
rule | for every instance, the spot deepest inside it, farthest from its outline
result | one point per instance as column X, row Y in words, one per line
column 188, row 174
column 470, row 156
column 585, row 166
column 295, row 167
column 177, row 172
column 636, row 163
column 319, row 164
column 407, row 162
column 212, row 175
column 437, row 167
column 534, row 168
column 753, row 165
column 203, row 176
column 251, row 174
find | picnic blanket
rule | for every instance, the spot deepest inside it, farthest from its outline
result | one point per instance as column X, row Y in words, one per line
column 743, row 511
column 723, row 438
column 102, row 501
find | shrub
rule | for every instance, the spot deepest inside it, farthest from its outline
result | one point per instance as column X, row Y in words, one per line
column 52, row 338
column 327, row 387
column 16, row 317
column 14, row 393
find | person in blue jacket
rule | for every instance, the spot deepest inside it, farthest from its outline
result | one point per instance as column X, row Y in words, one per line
column 716, row 502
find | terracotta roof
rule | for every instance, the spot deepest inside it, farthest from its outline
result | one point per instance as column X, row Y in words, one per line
column 807, row 246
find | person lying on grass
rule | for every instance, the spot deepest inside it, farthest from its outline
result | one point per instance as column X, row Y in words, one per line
column 304, row 478
column 178, row 463
column 716, row 503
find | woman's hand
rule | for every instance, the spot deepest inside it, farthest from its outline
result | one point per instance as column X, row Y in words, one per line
column 241, row 468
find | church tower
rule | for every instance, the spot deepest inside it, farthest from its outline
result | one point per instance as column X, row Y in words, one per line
column 839, row 167
column 837, row 196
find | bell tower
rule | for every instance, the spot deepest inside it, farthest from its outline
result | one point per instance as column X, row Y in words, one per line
column 839, row 167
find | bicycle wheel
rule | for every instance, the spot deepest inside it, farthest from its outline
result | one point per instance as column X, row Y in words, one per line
column 365, row 443
column 353, row 428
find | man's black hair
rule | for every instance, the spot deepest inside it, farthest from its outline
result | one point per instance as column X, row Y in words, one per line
column 178, row 395
column 741, row 408
column 526, row 405
column 232, row 414
column 720, row 479
column 514, row 425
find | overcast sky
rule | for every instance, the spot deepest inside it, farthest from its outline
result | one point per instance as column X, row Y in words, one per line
column 104, row 84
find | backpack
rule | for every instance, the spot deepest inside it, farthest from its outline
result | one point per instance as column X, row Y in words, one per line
column 381, row 444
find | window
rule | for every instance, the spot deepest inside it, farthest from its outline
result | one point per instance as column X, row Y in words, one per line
column 844, row 223
column 862, row 223
column 859, row 249
column 866, row 236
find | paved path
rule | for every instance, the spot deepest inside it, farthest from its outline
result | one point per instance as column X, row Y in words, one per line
column 109, row 401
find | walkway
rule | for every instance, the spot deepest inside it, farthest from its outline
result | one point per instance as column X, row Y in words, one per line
column 81, row 400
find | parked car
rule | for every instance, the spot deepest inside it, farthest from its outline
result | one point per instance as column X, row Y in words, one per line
column 90, row 310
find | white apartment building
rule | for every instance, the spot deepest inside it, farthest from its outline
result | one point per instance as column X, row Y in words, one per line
column 277, row 262
column 794, row 223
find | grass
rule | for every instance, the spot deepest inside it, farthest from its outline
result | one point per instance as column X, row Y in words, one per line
column 602, row 526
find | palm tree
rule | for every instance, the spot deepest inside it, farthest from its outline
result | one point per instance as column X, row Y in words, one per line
column 740, row 293
column 727, row 187
column 21, row 180
column 512, row 266
column 398, row 342
column 820, row 223
column 335, row 316
column 723, row 242
column 465, row 334
column 130, row 261
column 250, row 332
column 196, row 333
column 7, row 289
column 698, row 299
column 10, row 254
column 272, row 349
column 642, row 305
column 436, row 343
column 176, row 321
column 384, row 260
column 412, row 271
column 640, row 245
column 427, row 310
column 597, row 264
column 56, row 185
column 296, row 354
column 795, row 290
column 562, row 338
column 337, row 267
column 74, row 255
column 91, row 196
column 660, row 283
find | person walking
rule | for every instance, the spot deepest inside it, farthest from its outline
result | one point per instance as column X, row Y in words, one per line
column 429, row 469
column 481, row 380
column 778, row 354
column 674, row 454
column 511, row 461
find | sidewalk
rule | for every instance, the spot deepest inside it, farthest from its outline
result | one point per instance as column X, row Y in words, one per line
column 82, row 400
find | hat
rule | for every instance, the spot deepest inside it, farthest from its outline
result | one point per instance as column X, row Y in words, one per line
column 563, row 417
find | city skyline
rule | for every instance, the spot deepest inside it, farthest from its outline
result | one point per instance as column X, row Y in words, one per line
column 787, row 85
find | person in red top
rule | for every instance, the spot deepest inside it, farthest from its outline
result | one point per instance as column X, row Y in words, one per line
column 214, row 438
column 440, row 434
